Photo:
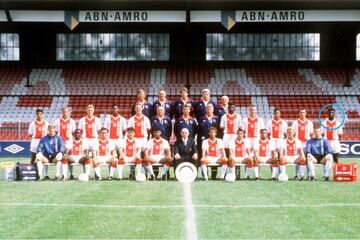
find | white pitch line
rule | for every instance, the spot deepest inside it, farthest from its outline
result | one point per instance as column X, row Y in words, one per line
column 186, row 206
column 191, row 231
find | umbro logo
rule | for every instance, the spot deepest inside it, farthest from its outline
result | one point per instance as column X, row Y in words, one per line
column 14, row 149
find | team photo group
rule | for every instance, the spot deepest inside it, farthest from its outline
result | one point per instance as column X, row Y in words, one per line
column 203, row 133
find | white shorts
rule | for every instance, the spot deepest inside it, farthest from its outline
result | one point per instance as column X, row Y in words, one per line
column 277, row 142
column 212, row 160
column 263, row 159
column 334, row 145
column 252, row 142
column 228, row 138
column 68, row 144
column 103, row 159
column 34, row 144
column 116, row 142
column 76, row 158
column 142, row 143
column 91, row 144
column 156, row 158
column 291, row 159
column 129, row 159
column 239, row 159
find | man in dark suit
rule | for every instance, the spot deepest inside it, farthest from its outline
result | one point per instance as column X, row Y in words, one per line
column 185, row 149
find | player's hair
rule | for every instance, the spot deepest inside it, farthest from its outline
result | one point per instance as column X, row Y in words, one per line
column 187, row 105
column 205, row 90
column 140, row 90
column 302, row 109
column 104, row 128
column 263, row 129
column 331, row 110
column 212, row 129
column 276, row 110
column 209, row 105
column 290, row 128
column 51, row 125
column 156, row 129
column 160, row 107
column 130, row 129
column 162, row 89
column 184, row 89
column 39, row 110
column 115, row 105
column 77, row 130
column 185, row 129
column 138, row 104
column 240, row 130
column 64, row 108
column 252, row 106
column 90, row 106
column 231, row 104
column 225, row 97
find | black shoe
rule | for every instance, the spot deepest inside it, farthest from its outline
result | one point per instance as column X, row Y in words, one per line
column 152, row 178
column 257, row 178
column 46, row 178
column 273, row 179
column 163, row 178
column 119, row 179
column 222, row 179
column 71, row 177
column 247, row 177
column 326, row 179
column 301, row 179
column 110, row 178
column 312, row 179
column 296, row 177
column 57, row 179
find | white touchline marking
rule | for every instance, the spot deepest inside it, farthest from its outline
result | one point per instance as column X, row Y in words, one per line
column 191, row 231
column 186, row 206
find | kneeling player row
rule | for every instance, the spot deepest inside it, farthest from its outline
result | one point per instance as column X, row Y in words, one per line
column 251, row 152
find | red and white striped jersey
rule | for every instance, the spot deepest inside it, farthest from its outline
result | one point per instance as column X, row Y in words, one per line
column 129, row 148
column 65, row 128
column 264, row 147
column 252, row 126
column 141, row 125
column 77, row 148
column 213, row 148
column 90, row 127
column 38, row 129
column 230, row 123
column 239, row 147
column 116, row 126
column 157, row 146
column 331, row 134
column 105, row 147
column 277, row 129
column 303, row 129
column 291, row 148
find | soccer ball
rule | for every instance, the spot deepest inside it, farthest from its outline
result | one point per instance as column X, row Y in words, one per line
column 230, row 177
column 283, row 177
column 83, row 177
column 140, row 177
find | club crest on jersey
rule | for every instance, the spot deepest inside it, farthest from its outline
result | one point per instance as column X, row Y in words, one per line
column 302, row 128
column 212, row 148
column 64, row 127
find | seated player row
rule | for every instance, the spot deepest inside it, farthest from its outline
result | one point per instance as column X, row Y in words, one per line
column 157, row 150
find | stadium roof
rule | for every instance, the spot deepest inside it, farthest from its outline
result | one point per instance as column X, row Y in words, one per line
column 179, row 4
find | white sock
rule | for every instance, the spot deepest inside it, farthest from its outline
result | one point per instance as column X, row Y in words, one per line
column 150, row 170
column 311, row 167
column 40, row 165
column 138, row 168
column 302, row 170
column 247, row 172
column 112, row 171
column 65, row 170
column 282, row 168
column 223, row 170
column 87, row 169
column 165, row 170
column 120, row 168
column 232, row 170
column 58, row 168
column 204, row 170
column 275, row 171
column 256, row 172
column 46, row 170
column 97, row 171
column 328, row 166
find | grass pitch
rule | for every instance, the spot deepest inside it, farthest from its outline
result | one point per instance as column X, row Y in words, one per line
column 156, row 210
